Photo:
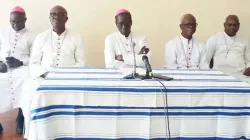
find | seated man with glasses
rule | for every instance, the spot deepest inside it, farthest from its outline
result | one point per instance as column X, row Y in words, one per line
column 15, row 45
column 184, row 51
column 230, row 53
column 56, row 47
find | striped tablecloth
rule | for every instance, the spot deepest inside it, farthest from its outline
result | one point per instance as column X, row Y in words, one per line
column 79, row 104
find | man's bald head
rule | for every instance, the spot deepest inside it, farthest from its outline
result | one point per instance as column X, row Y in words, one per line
column 231, row 25
column 232, row 17
column 188, row 25
column 59, row 8
column 58, row 18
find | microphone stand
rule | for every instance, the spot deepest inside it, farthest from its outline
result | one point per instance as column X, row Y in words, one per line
column 133, row 75
column 148, row 75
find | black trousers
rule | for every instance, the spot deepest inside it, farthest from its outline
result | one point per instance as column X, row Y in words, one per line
column 1, row 128
column 20, row 117
column 211, row 64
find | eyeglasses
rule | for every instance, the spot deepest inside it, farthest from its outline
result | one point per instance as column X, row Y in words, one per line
column 229, row 24
column 58, row 15
column 190, row 24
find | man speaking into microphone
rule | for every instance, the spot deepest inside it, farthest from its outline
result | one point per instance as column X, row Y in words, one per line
column 119, row 45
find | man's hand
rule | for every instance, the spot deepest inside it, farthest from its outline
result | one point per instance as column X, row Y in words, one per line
column 3, row 67
column 144, row 50
column 247, row 72
column 44, row 75
column 13, row 62
column 119, row 58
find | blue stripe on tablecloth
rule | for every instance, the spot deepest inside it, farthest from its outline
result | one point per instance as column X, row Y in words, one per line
column 77, row 72
column 158, row 86
column 124, row 107
column 167, row 73
column 96, row 68
column 92, row 113
column 44, row 88
column 120, row 79
column 177, row 138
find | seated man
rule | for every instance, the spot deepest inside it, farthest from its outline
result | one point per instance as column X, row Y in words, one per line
column 184, row 51
column 15, row 45
column 56, row 47
column 230, row 53
column 118, row 46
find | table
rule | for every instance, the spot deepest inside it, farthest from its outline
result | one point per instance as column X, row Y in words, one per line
column 87, row 103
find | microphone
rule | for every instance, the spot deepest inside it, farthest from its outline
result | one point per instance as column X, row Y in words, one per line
column 147, row 65
column 149, row 73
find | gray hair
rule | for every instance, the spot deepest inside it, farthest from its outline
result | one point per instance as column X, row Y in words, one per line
column 185, row 16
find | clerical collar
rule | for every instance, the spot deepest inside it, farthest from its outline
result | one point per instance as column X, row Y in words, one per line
column 21, row 31
column 123, row 36
column 55, row 33
column 185, row 39
column 228, row 35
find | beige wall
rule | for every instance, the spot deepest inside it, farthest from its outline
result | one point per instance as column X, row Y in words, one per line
column 157, row 19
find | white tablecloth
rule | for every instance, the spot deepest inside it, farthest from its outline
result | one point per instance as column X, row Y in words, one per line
column 79, row 104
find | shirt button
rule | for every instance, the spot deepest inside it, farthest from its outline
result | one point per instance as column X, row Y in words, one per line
column 13, row 52
column 57, row 64
column 188, row 48
column 58, row 54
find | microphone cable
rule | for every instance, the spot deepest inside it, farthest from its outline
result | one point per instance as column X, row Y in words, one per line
column 166, row 115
